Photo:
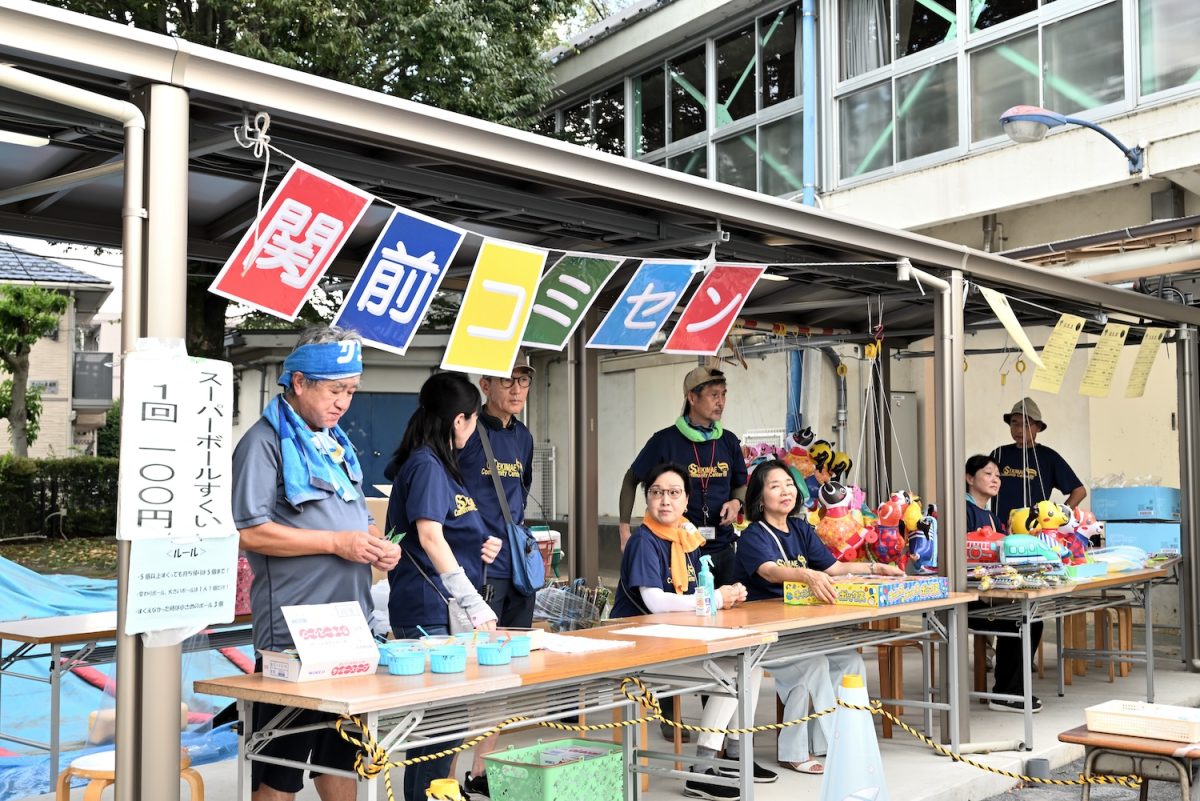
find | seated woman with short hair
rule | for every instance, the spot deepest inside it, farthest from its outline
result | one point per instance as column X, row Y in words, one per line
column 658, row 574
column 776, row 547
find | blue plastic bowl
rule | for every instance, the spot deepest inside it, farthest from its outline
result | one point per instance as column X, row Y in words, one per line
column 493, row 653
column 406, row 663
column 448, row 659
column 390, row 647
column 519, row 646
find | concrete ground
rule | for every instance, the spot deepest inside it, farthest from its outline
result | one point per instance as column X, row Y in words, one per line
column 914, row 773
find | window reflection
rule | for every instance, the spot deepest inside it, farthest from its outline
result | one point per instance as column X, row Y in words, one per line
column 866, row 130
column 687, row 95
column 782, row 155
column 1170, row 30
column 736, row 76
column 927, row 111
column 737, row 161
column 921, row 24
column 693, row 162
column 608, row 121
column 1002, row 76
column 780, row 57
column 649, row 111
column 1079, row 78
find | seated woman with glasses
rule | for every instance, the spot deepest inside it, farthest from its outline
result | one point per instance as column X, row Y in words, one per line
column 658, row 574
column 776, row 547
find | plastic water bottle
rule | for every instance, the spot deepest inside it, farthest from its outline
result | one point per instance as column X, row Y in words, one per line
column 706, row 601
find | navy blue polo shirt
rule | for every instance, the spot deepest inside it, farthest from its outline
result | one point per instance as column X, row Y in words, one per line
column 513, row 447
column 425, row 490
column 646, row 562
column 980, row 516
column 1030, row 475
column 714, row 469
column 801, row 548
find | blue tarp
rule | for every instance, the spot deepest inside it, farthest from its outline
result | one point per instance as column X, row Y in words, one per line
column 25, row 705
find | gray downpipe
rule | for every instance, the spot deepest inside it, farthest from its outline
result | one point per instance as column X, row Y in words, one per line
column 840, row 425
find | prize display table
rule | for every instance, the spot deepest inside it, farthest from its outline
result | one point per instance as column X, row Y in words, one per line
column 826, row 629
column 72, row 641
column 1026, row 607
column 402, row 712
column 1119, row 755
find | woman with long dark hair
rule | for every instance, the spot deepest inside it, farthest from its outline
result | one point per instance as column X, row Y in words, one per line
column 445, row 542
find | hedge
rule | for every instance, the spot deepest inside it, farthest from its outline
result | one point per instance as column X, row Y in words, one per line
column 84, row 488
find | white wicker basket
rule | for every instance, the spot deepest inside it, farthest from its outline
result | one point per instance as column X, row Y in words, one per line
column 1139, row 719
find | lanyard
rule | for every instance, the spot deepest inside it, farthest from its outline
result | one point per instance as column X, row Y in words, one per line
column 712, row 460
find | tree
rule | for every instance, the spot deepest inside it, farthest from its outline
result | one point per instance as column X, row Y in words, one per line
column 485, row 59
column 33, row 408
column 108, row 438
column 27, row 313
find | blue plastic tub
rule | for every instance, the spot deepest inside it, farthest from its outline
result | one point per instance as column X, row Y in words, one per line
column 493, row 653
column 406, row 663
column 519, row 646
column 448, row 659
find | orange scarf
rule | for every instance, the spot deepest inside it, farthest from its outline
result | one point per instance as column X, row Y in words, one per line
column 683, row 541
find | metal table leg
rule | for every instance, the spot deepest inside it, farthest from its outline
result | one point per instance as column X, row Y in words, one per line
column 952, row 646
column 55, row 707
column 746, row 716
column 246, row 720
column 1146, row 606
column 1026, row 625
column 1058, row 651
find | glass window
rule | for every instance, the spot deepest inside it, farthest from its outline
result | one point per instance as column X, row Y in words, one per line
column 866, row 130
column 737, row 160
column 735, row 76
column 1169, row 32
column 1080, row 77
column 546, row 126
column 608, row 126
column 688, row 115
column 1002, row 76
column 927, row 111
column 993, row 12
column 577, row 126
column 649, row 112
column 865, row 37
column 780, row 57
column 782, row 155
column 921, row 24
column 693, row 162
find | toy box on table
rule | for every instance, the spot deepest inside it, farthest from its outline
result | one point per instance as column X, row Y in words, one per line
column 1150, row 537
column 557, row 770
column 872, row 591
column 1135, row 503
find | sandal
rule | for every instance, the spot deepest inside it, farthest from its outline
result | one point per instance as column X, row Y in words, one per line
column 810, row 766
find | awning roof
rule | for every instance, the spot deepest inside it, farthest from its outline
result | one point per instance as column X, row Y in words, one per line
column 480, row 176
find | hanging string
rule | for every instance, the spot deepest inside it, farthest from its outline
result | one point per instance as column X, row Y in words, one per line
column 1049, row 310
column 255, row 137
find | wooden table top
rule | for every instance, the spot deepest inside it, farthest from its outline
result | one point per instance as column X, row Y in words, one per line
column 776, row 616
column 1109, row 581
column 74, row 629
column 1142, row 745
column 382, row 691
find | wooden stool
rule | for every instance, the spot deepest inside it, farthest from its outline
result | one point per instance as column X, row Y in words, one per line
column 891, row 670
column 100, row 771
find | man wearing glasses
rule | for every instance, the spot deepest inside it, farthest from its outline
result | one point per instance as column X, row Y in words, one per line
column 512, row 444
column 716, row 469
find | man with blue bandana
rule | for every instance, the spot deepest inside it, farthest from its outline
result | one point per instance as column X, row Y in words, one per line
column 299, row 509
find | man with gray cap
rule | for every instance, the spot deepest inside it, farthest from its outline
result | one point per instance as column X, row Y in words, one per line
column 302, row 518
column 1029, row 472
column 715, row 465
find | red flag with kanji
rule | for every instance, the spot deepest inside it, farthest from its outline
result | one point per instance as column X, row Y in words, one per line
column 292, row 242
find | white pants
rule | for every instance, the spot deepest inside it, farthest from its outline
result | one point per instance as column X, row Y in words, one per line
column 722, row 709
column 811, row 677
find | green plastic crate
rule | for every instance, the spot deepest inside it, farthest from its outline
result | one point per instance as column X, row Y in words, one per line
column 516, row 774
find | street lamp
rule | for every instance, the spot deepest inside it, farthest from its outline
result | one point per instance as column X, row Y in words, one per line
column 1030, row 123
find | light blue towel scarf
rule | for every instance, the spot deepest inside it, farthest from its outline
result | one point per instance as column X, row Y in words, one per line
column 310, row 471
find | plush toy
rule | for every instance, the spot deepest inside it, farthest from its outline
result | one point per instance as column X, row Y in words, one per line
column 822, row 455
column 799, row 440
column 983, row 545
column 910, row 515
column 1090, row 528
column 1050, row 519
column 885, row 543
column 922, row 543
column 1075, row 533
column 842, row 534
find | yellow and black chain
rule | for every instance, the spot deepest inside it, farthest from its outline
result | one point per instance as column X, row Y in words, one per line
column 372, row 759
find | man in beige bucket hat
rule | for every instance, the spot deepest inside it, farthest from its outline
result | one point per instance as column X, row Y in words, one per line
column 1030, row 472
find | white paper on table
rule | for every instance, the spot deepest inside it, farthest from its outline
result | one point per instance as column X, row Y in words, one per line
column 702, row 633
column 563, row 644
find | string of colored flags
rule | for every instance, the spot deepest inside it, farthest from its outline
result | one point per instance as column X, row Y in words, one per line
column 508, row 301
column 511, row 300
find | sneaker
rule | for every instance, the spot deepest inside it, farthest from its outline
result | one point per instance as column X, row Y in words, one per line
column 1015, row 706
column 761, row 775
column 718, row 792
column 668, row 733
column 476, row 785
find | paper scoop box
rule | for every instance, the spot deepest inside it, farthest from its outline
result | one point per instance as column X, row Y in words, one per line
column 872, row 591
column 332, row 642
column 289, row 666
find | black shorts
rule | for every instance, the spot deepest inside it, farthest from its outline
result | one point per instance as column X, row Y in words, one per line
column 324, row 747
column 513, row 609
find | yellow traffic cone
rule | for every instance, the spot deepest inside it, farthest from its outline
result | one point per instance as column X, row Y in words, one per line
column 444, row 790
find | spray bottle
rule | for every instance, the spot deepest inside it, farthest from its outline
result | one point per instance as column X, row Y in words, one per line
column 706, row 593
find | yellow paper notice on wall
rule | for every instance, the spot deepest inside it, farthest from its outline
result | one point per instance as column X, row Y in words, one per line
column 1004, row 313
column 1057, row 353
column 1145, row 360
column 1098, row 379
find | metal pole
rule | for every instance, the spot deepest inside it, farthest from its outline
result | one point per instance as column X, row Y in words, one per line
column 584, row 517
column 952, row 513
column 1189, row 472
column 166, row 282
